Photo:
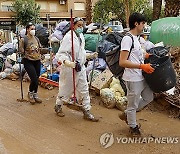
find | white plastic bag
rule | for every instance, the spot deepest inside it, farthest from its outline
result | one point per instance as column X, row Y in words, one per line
column 107, row 96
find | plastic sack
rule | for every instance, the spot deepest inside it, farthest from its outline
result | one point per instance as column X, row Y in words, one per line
column 121, row 103
column 16, row 68
column 22, row 33
column 115, row 38
column 114, row 81
column 159, row 51
column 7, row 49
column 100, row 65
column 104, row 47
column 118, row 88
column 3, row 75
column 166, row 30
column 115, row 86
column 57, row 34
column 8, row 71
column 91, row 41
column 107, row 96
column 60, row 30
column 61, row 25
column 42, row 34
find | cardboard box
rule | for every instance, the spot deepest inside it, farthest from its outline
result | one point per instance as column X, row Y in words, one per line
column 102, row 81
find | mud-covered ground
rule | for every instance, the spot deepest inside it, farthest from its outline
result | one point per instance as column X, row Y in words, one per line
column 31, row 129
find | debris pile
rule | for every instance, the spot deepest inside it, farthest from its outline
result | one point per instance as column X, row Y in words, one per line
column 114, row 95
column 174, row 98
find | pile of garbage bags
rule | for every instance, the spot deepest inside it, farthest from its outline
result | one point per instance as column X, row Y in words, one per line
column 114, row 96
column 42, row 34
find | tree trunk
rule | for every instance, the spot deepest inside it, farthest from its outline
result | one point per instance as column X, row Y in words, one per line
column 172, row 8
column 88, row 12
column 156, row 9
column 127, row 12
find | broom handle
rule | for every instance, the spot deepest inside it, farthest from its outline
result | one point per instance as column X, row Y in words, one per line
column 94, row 60
column 20, row 56
column 50, row 50
column 74, row 88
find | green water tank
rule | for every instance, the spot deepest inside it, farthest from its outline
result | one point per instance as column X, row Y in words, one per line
column 166, row 30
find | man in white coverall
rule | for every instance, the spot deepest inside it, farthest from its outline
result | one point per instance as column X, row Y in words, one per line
column 64, row 55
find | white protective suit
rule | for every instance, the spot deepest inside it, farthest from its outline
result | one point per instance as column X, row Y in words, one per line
column 66, row 73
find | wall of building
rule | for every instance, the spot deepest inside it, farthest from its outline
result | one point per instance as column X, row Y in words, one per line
column 52, row 7
column 57, row 10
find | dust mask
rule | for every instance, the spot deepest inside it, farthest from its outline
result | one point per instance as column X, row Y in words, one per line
column 32, row 32
column 79, row 30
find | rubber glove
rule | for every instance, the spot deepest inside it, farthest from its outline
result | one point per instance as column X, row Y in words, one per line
column 147, row 68
column 77, row 66
column 147, row 55
column 69, row 63
column 91, row 55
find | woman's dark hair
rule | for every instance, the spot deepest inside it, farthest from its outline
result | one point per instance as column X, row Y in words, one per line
column 135, row 17
column 28, row 26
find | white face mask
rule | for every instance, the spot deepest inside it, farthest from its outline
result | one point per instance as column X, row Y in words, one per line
column 32, row 32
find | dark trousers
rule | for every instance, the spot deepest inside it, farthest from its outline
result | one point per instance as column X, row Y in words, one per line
column 33, row 70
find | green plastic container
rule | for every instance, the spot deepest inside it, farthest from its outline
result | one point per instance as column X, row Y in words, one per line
column 166, row 30
column 91, row 41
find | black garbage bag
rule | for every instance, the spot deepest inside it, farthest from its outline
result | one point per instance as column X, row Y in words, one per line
column 1, row 63
column 115, row 38
column 164, row 76
column 112, row 56
column 105, row 46
column 7, row 49
column 42, row 34
column 159, row 51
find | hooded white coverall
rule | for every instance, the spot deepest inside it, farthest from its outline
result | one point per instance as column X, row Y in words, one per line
column 66, row 73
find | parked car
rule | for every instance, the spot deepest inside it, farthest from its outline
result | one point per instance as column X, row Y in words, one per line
column 117, row 28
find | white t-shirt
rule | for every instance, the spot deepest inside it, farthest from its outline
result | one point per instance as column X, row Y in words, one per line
column 136, row 56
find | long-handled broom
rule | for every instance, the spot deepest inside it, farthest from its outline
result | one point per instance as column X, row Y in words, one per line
column 75, row 105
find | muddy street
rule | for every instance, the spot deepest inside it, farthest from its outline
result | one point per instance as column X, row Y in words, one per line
column 33, row 129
